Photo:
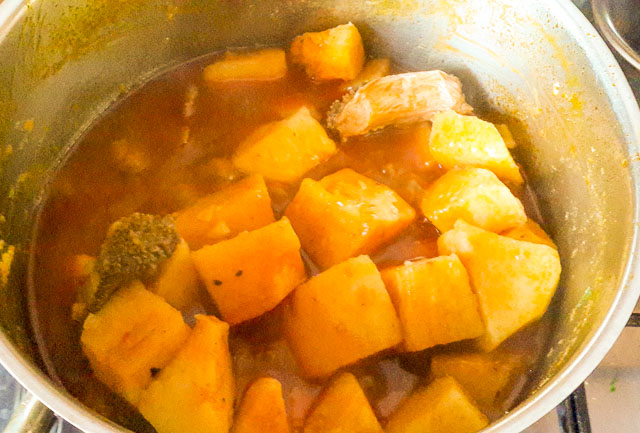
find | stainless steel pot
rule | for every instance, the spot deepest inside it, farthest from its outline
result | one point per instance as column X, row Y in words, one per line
column 538, row 65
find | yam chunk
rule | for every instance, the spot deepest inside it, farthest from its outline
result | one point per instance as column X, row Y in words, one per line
column 434, row 301
column 530, row 232
column 466, row 141
column 505, row 132
column 134, row 333
column 262, row 409
column 245, row 205
column 177, row 281
column 333, row 54
column 375, row 68
column 441, row 407
column 250, row 274
column 285, row 150
column 340, row 316
column 263, row 65
column 342, row 407
column 514, row 280
column 346, row 214
column 474, row 195
column 194, row 393
column 395, row 100
column 487, row 377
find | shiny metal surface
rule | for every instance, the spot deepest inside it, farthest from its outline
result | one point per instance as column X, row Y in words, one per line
column 619, row 22
column 539, row 66
column 30, row 416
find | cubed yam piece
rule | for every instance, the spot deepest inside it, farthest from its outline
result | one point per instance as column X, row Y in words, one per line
column 244, row 205
column 135, row 333
column 505, row 132
column 340, row 316
column 474, row 195
column 514, row 280
column 530, row 232
column 487, row 377
column 434, row 301
column 194, row 393
column 466, row 141
column 177, row 281
column 250, row 274
column 374, row 68
column 333, row 54
column 286, row 149
column 262, row 65
column 441, row 407
column 262, row 409
column 342, row 407
column 346, row 214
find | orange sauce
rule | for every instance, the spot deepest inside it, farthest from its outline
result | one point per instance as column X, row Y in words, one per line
column 185, row 129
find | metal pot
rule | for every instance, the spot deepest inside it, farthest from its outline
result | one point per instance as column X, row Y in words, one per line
column 538, row 65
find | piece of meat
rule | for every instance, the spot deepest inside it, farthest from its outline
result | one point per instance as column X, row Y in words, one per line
column 397, row 99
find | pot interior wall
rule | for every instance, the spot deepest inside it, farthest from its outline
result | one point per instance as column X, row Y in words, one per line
column 64, row 64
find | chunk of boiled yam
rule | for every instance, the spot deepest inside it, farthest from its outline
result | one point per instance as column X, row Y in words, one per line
column 194, row 393
column 177, row 281
column 340, row 316
column 262, row 409
column 505, row 132
column 466, row 141
column 514, row 280
column 346, row 214
column 244, row 205
column 285, row 150
column 134, row 333
column 530, row 232
column 474, row 195
column 434, row 301
column 374, row 68
column 487, row 377
column 250, row 274
column 336, row 53
column 342, row 407
column 441, row 407
column 263, row 65
column 397, row 99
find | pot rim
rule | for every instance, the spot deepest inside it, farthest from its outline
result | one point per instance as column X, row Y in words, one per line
column 561, row 385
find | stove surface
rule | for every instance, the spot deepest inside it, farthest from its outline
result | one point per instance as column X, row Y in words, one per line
column 613, row 388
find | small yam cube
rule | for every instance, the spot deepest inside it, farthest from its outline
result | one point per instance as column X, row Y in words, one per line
column 262, row 409
column 135, row 333
column 505, row 132
column 342, row 407
column 374, row 68
column 178, row 281
column 530, row 232
column 250, row 274
column 333, row 54
column 264, row 65
column 514, row 280
column 244, row 205
column 346, row 214
column 466, row 141
column 441, row 407
column 340, row 316
column 194, row 393
column 286, row 149
column 474, row 195
column 434, row 301
column 129, row 157
column 486, row 377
